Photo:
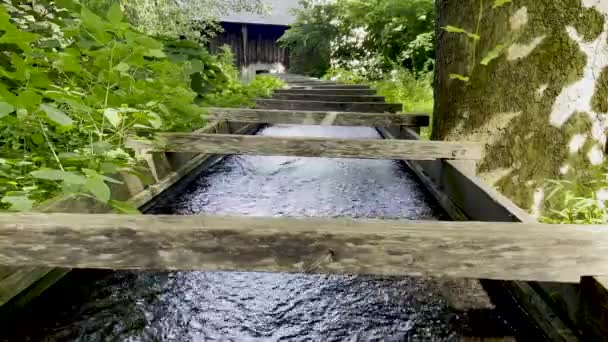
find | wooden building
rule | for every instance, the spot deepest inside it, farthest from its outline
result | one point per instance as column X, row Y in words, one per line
column 253, row 37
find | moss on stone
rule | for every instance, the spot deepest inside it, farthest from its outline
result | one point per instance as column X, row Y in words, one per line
column 599, row 102
column 528, row 146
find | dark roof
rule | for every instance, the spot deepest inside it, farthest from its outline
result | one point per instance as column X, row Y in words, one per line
column 280, row 14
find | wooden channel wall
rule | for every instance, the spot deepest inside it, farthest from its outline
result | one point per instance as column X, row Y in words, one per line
column 558, row 309
column 166, row 171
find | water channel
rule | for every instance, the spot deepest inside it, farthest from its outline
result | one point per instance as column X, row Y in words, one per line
column 224, row 306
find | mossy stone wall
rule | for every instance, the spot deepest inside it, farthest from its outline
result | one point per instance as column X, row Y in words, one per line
column 540, row 106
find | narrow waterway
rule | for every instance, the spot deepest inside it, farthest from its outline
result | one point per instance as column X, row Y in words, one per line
column 224, row 306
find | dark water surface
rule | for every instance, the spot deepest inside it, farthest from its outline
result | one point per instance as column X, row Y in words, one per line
column 222, row 306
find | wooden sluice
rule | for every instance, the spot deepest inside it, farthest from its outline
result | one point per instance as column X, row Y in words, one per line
column 541, row 266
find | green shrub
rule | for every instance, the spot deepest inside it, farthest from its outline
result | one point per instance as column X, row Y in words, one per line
column 74, row 85
column 578, row 202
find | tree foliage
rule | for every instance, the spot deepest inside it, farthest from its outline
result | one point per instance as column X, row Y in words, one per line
column 193, row 19
column 74, row 84
column 367, row 36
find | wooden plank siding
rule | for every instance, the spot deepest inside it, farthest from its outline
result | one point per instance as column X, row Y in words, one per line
column 260, row 44
column 480, row 250
column 272, row 116
column 308, row 147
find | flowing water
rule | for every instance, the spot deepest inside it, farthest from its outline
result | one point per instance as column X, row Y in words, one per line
column 224, row 306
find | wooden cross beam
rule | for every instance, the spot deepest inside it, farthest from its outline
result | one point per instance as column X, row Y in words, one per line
column 367, row 107
column 327, row 91
column 308, row 147
column 273, row 116
column 506, row 251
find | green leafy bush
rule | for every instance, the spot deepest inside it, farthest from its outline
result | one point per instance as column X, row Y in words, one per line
column 368, row 37
column 74, row 85
column 578, row 202
column 234, row 93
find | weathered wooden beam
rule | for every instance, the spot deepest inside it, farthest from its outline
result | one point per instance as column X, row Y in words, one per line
column 327, row 91
column 329, row 98
column 593, row 313
column 336, row 86
column 319, row 118
column 508, row 251
column 367, row 107
column 303, row 83
column 308, row 147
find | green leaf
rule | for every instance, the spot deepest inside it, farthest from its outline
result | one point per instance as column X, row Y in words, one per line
column 13, row 35
column 115, row 15
column 113, row 116
column 157, row 53
column 454, row 29
column 28, row 100
column 122, row 67
column 493, row 54
column 500, row 3
column 37, row 139
column 96, row 186
column 56, row 115
column 59, row 175
column 154, row 120
column 124, row 207
column 19, row 203
column 112, row 180
column 5, row 109
column 459, row 77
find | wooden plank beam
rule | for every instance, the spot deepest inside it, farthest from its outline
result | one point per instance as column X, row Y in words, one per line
column 367, row 107
column 329, row 98
column 507, row 251
column 274, row 116
column 327, row 91
column 337, row 86
column 308, row 147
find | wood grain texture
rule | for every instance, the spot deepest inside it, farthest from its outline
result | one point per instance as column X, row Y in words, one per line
column 308, row 147
column 334, row 86
column 329, row 97
column 327, row 91
column 311, row 83
column 367, row 107
column 508, row 251
column 318, row 118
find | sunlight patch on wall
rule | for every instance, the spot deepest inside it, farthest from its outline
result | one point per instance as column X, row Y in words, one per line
column 577, row 98
column 518, row 51
column 519, row 19
column 577, row 142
